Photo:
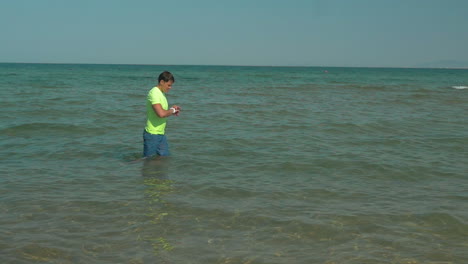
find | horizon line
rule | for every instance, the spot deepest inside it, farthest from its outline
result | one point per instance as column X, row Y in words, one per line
column 242, row 65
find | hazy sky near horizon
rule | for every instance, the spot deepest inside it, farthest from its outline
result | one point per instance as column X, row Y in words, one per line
column 386, row 33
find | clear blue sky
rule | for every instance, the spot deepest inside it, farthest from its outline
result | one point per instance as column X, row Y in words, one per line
column 393, row 33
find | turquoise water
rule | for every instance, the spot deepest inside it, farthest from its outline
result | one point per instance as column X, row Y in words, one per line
column 268, row 165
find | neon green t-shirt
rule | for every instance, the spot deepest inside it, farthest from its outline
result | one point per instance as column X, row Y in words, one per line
column 154, row 123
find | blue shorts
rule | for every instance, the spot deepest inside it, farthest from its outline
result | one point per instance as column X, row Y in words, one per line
column 154, row 145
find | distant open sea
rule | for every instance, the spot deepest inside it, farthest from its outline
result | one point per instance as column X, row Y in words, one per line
column 269, row 165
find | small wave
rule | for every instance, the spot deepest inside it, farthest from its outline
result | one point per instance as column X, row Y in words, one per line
column 38, row 129
column 460, row 87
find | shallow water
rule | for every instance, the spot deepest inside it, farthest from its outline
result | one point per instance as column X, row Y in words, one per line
column 268, row 165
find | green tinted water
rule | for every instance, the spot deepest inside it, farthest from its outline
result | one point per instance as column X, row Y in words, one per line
column 269, row 165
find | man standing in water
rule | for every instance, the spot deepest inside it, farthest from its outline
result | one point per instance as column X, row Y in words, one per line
column 154, row 139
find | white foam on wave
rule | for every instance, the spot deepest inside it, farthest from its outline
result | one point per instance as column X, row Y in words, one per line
column 460, row 87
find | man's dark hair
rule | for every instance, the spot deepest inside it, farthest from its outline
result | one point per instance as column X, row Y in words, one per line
column 166, row 76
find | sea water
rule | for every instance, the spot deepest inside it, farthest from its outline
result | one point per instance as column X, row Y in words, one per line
column 267, row 165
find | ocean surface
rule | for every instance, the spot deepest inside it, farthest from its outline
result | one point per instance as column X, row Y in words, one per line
column 268, row 165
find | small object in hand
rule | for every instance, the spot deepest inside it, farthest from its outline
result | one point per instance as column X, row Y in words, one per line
column 175, row 111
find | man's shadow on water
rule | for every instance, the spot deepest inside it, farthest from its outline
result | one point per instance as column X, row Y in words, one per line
column 155, row 174
column 158, row 186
